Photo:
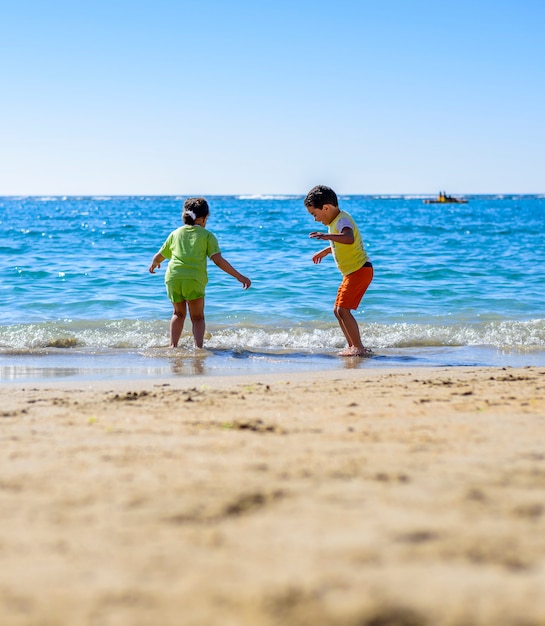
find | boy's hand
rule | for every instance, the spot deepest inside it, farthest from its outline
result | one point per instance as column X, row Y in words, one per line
column 317, row 258
column 153, row 267
column 317, row 235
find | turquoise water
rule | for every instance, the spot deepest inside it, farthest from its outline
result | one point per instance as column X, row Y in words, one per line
column 454, row 284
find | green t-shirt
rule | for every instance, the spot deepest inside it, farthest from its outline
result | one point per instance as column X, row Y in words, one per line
column 187, row 249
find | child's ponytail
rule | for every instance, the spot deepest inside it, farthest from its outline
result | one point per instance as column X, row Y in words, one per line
column 193, row 209
column 189, row 217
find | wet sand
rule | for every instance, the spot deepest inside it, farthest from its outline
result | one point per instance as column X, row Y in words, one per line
column 346, row 498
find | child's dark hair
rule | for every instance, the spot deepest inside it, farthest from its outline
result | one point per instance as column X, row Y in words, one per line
column 193, row 209
column 320, row 195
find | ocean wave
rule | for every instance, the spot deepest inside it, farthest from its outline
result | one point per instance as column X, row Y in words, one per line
column 137, row 335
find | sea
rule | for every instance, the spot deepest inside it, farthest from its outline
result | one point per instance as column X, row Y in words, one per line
column 455, row 284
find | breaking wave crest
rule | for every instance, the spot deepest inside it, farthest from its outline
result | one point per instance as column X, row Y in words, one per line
column 141, row 335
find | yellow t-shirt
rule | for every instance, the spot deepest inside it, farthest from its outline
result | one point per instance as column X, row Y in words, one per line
column 349, row 257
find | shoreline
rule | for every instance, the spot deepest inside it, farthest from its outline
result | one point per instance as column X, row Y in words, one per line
column 345, row 497
column 155, row 364
column 235, row 379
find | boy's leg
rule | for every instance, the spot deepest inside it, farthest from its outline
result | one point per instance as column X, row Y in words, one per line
column 349, row 296
column 343, row 328
column 351, row 331
column 177, row 323
column 196, row 312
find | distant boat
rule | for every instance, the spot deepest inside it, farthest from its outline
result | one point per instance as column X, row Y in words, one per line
column 443, row 198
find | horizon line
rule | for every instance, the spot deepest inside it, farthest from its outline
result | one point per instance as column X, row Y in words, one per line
column 263, row 194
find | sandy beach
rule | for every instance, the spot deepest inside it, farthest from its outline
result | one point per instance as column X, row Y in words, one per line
column 406, row 497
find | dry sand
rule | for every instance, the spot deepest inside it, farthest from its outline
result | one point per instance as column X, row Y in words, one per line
column 356, row 498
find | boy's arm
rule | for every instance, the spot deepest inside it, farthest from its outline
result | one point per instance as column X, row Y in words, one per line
column 156, row 262
column 346, row 236
column 224, row 265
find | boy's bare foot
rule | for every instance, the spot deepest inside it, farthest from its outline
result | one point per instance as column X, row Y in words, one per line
column 353, row 351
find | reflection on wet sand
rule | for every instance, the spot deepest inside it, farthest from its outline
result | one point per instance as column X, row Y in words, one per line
column 184, row 365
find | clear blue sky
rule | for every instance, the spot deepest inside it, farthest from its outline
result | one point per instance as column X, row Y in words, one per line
column 271, row 96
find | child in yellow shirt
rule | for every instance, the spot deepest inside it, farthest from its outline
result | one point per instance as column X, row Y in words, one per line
column 349, row 254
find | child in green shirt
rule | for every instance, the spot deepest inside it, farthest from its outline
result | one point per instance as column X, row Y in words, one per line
column 188, row 249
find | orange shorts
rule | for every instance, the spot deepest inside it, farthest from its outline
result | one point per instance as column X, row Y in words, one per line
column 353, row 287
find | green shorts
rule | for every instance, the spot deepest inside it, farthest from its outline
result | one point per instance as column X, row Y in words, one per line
column 183, row 289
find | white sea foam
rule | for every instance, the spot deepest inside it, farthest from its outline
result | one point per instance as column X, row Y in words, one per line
column 141, row 335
